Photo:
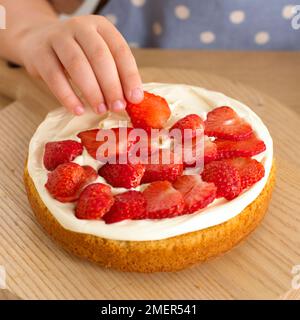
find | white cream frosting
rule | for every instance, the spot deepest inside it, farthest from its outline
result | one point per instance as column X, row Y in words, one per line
column 183, row 100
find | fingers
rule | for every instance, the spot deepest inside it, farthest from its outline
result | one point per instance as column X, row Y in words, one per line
column 103, row 65
column 78, row 67
column 98, row 60
column 52, row 73
column 124, row 60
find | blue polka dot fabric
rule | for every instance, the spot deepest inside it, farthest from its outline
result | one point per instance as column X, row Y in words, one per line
column 214, row 24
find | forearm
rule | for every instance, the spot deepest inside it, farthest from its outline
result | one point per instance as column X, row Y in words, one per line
column 21, row 16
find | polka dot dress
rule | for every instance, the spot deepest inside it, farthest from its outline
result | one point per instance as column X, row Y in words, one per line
column 214, row 24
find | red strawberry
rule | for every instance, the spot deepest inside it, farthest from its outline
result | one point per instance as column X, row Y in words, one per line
column 152, row 112
column 127, row 205
column 210, row 152
column 192, row 122
column 163, row 201
column 66, row 181
column 90, row 174
column 94, row 201
column 244, row 148
column 225, row 176
column 142, row 149
column 58, row 152
column 196, row 193
column 166, row 169
column 90, row 140
column 122, row 175
column 224, row 123
column 250, row 170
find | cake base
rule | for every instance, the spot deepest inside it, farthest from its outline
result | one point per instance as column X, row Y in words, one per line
column 172, row 254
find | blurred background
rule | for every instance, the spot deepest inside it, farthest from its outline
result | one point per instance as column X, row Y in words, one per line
column 215, row 24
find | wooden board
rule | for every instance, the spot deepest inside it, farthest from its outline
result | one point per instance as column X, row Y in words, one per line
column 259, row 268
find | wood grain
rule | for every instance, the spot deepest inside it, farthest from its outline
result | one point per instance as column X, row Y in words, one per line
column 258, row 268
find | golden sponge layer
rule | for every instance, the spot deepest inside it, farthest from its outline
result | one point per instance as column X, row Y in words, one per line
column 170, row 254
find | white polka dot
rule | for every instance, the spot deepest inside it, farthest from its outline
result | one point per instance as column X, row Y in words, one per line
column 182, row 12
column 133, row 45
column 237, row 16
column 288, row 11
column 207, row 37
column 262, row 37
column 138, row 3
column 157, row 28
column 112, row 18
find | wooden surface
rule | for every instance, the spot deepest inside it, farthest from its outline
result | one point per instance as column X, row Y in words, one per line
column 274, row 73
column 37, row 268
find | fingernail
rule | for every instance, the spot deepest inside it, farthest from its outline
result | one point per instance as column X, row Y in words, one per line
column 101, row 108
column 79, row 110
column 137, row 95
column 118, row 105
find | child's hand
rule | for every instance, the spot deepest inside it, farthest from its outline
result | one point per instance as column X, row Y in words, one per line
column 95, row 56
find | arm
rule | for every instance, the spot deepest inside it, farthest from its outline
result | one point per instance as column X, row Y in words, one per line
column 21, row 16
column 89, row 49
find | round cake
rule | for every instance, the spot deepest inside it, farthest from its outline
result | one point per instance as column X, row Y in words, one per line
column 152, row 217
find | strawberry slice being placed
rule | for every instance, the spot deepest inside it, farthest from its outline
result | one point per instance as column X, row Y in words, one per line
column 127, row 205
column 250, row 170
column 166, row 169
column 244, row 148
column 225, row 176
column 94, row 201
column 67, row 180
column 122, row 175
column 192, row 122
column 163, row 201
column 89, row 141
column 152, row 112
column 59, row 152
column 224, row 123
column 196, row 193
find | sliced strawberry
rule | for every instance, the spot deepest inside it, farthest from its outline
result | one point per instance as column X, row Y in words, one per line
column 244, row 148
column 94, row 201
column 166, row 169
column 90, row 174
column 250, row 170
column 224, row 123
column 142, row 149
column 196, row 193
column 90, row 140
column 59, row 152
column 127, row 205
column 163, row 201
column 190, row 126
column 225, row 176
column 152, row 112
column 122, row 175
column 210, row 152
column 66, row 181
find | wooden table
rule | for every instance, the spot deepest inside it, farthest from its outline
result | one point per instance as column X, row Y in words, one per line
column 274, row 73
column 275, row 244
